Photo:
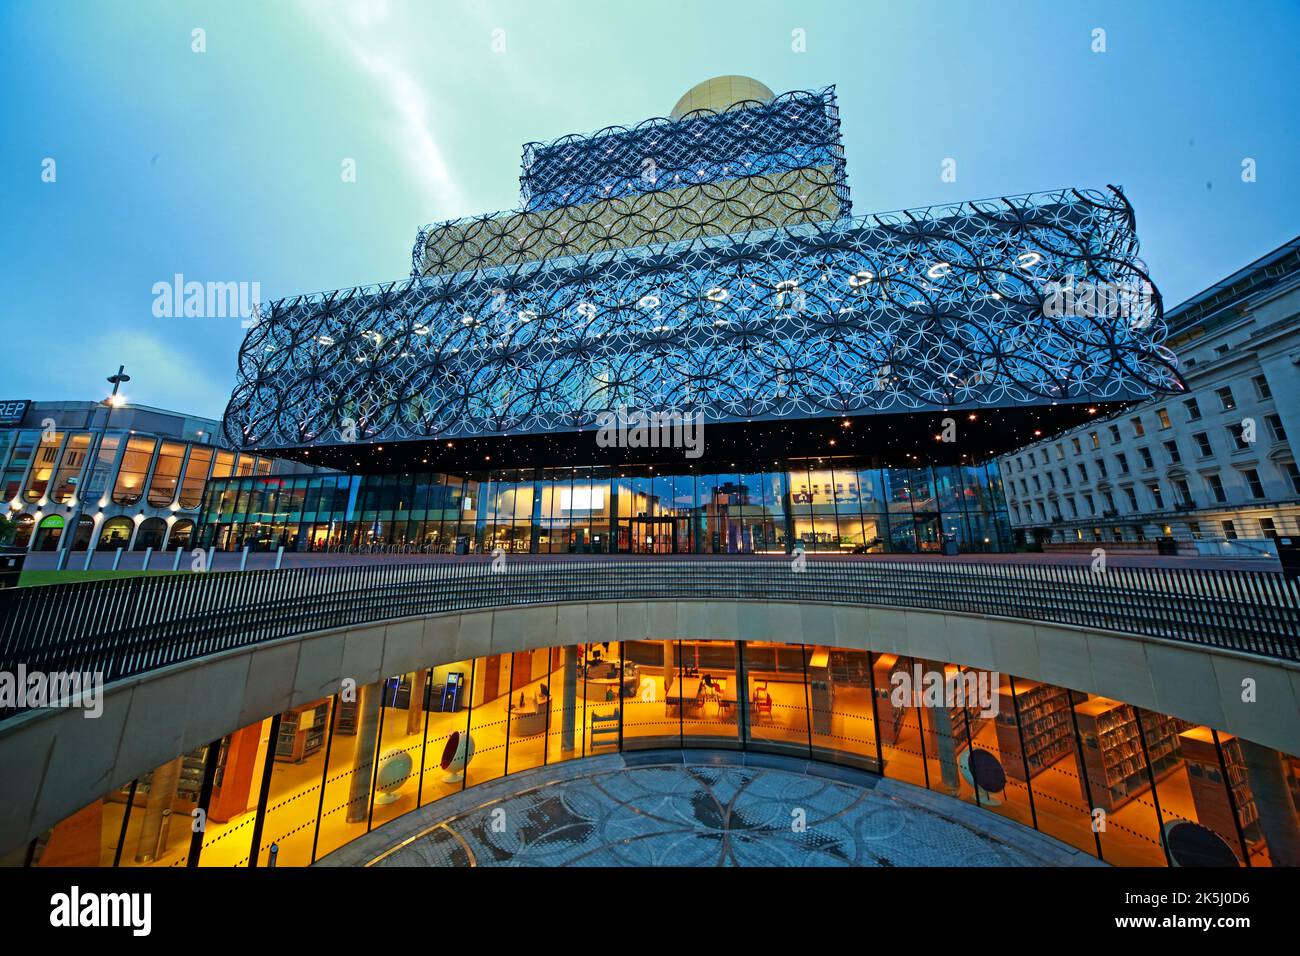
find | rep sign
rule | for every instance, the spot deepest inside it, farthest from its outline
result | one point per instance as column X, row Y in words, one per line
column 12, row 412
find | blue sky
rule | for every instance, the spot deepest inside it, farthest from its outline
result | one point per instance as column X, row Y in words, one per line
column 225, row 165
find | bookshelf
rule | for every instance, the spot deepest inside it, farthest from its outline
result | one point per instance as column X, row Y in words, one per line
column 345, row 719
column 302, row 731
column 891, row 717
column 1112, row 751
column 1209, row 793
column 1044, row 722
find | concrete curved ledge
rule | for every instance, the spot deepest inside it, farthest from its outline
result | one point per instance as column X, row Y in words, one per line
column 925, row 828
column 57, row 761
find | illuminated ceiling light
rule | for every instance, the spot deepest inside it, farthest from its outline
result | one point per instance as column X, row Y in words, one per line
column 939, row 270
column 420, row 330
column 325, row 340
column 717, row 294
column 1027, row 260
column 648, row 302
column 859, row 279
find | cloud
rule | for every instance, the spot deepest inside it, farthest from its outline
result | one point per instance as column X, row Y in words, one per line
column 162, row 375
column 377, row 43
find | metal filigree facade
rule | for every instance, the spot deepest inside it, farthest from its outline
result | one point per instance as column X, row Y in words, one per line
column 758, row 299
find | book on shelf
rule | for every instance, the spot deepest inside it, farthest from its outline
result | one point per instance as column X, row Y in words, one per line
column 1044, row 725
column 1114, row 768
column 1214, row 797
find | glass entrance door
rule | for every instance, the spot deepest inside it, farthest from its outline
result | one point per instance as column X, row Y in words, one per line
column 650, row 536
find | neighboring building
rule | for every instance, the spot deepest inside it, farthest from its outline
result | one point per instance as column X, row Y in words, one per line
column 704, row 266
column 145, row 489
column 1214, row 468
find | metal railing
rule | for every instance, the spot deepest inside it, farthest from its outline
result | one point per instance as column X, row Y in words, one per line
column 122, row 627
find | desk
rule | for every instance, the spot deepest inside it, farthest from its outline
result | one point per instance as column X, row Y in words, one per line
column 686, row 690
column 530, row 720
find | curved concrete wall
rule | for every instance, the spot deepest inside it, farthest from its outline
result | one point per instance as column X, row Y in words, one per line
column 56, row 762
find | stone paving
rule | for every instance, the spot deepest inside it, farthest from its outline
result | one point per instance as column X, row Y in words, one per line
column 658, row 810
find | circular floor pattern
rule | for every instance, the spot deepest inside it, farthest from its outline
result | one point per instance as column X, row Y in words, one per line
column 701, row 816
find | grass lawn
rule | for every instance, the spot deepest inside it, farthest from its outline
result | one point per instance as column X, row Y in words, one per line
column 30, row 578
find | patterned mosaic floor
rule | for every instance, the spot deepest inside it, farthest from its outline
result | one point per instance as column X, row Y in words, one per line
column 702, row 816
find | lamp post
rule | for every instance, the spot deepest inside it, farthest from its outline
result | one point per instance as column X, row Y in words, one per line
column 92, row 456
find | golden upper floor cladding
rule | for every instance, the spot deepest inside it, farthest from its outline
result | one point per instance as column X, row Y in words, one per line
column 750, row 167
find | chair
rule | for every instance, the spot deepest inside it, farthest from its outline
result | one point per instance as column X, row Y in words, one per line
column 761, row 703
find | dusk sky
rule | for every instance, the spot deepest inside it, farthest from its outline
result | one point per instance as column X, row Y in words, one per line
column 225, row 165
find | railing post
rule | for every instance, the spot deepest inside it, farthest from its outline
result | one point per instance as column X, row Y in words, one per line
column 117, row 558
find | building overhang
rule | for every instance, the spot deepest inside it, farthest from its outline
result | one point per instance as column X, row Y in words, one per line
column 905, row 313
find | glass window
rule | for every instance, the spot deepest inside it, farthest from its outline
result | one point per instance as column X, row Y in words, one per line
column 43, row 466
column 16, row 470
column 1253, row 483
column 1226, row 401
column 1193, row 410
column 196, row 473
column 70, row 467
column 131, row 473
column 166, row 474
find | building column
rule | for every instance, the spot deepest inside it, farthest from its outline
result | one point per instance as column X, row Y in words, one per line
column 368, row 701
column 569, row 715
column 1277, row 812
column 157, row 811
column 415, row 706
column 945, row 745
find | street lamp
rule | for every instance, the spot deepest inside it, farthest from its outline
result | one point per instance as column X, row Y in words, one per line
column 113, row 401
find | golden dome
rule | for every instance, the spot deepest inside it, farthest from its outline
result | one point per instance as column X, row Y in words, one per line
column 719, row 93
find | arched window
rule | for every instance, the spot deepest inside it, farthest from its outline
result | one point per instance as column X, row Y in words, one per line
column 48, row 533
column 43, row 466
column 26, row 524
column 116, row 534
column 150, row 534
column 182, row 532
column 132, row 472
column 85, row 528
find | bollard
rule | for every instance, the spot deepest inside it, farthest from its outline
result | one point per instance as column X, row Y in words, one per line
column 279, row 556
column 275, row 852
column 243, row 558
column 117, row 559
column 148, row 553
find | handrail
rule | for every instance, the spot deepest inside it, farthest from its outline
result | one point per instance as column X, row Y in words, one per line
column 122, row 627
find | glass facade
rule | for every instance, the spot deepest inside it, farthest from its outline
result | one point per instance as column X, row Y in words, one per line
column 1131, row 786
column 828, row 504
